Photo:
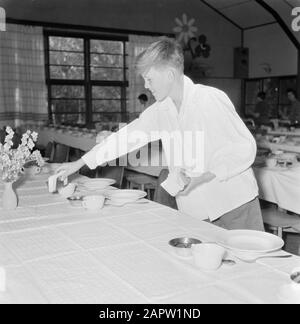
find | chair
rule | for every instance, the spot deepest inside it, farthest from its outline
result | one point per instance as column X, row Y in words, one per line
column 112, row 172
column 49, row 149
column 161, row 196
column 61, row 153
column 141, row 181
column 279, row 221
column 296, row 228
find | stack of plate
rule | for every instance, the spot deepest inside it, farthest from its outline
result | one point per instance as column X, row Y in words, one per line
column 124, row 196
column 95, row 184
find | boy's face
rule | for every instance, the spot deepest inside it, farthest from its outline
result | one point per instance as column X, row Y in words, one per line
column 159, row 82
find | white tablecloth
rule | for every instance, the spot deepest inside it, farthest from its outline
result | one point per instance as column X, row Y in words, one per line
column 280, row 186
column 55, row 253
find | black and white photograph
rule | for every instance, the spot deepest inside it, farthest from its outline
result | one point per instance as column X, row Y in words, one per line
column 149, row 154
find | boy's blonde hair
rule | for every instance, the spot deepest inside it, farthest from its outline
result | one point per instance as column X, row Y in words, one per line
column 165, row 52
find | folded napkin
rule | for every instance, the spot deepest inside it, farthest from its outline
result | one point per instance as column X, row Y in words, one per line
column 174, row 182
column 2, row 279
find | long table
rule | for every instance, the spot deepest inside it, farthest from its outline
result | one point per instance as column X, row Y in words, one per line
column 55, row 253
column 280, row 186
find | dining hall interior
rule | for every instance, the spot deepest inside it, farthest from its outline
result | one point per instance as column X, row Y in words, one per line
column 125, row 231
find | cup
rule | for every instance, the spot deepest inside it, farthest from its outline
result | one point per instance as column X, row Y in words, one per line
column 94, row 202
column 33, row 170
column 208, row 256
column 271, row 162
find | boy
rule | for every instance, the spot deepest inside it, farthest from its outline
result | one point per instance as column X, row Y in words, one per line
column 218, row 184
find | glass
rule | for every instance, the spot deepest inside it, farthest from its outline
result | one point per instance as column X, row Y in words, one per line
column 67, row 72
column 66, row 43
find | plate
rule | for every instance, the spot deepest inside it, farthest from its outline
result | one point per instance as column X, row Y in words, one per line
column 125, row 195
column 250, row 241
column 99, row 183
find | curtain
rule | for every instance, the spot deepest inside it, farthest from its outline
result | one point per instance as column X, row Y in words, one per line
column 23, row 93
column 136, row 83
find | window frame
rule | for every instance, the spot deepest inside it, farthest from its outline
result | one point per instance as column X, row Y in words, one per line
column 87, row 82
column 261, row 82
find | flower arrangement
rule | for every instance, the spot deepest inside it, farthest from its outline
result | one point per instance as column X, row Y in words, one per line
column 12, row 161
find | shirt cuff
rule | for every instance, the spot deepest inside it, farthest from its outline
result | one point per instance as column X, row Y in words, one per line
column 90, row 159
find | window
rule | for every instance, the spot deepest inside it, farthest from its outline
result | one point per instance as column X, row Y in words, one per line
column 275, row 89
column 86, row 78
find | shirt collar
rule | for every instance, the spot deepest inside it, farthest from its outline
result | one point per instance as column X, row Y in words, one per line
column 167, row 103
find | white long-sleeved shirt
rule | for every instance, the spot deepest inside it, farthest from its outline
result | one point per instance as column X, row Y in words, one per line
column 228, row 149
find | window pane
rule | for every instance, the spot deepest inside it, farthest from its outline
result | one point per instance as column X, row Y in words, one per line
column 71, row 119
column 106, row 92
column 107, row 117
column 106, row 46
column 67, row 106
column 66, row 58
column 106, row 105
column 271, row 87
column 107, row 74
column 66, row 91
column 284, row 85
column 67, row 72
column 66, row 43
column 252, row 89
column 105, row 60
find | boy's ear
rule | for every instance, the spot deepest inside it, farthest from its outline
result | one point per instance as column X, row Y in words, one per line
column 171, row 74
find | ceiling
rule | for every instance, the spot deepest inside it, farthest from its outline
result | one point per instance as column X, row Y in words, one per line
column 243, row 13
column 247, row 14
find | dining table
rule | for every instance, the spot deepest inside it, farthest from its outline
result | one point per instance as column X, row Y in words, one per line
column 280, row 185
column 53, row 252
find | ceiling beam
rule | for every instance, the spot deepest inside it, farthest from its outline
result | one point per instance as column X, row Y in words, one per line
column 281, row 22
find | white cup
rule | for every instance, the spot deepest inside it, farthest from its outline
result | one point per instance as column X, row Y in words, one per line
column 33, row 170
column 208, row 256
column 94, row 202
column 271, row 162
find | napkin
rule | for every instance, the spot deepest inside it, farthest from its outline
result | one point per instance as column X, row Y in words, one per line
column 174, row 182
column 2, row 279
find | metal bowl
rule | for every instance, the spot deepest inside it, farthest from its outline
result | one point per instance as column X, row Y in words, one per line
column 75, row 201
column 182, row 245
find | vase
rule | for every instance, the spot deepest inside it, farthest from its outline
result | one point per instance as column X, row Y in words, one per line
column 9, row 197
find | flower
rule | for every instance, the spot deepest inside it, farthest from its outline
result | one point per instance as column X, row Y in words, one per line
column 184, row 28
column 12, row 160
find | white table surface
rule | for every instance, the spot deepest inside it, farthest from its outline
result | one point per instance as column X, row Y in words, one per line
column 55, row 253
column 280, row 186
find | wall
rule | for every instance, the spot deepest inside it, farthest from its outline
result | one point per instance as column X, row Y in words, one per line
column 143, row 15
column 151, row 16
column 269, row 44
